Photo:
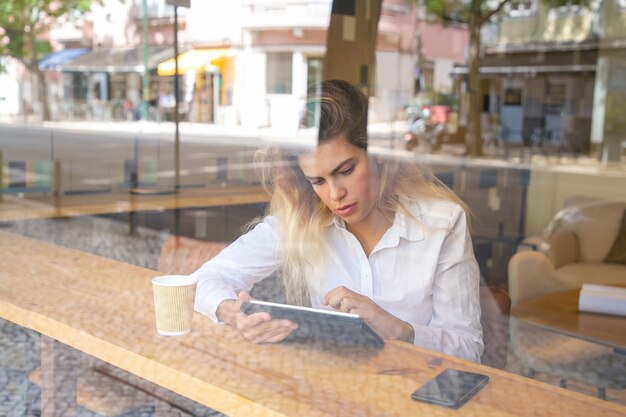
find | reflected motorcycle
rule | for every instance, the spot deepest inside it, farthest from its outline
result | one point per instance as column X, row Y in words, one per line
column 423, row 132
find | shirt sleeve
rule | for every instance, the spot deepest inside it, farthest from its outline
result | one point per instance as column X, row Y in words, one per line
column 244, row 262
column 455, row 327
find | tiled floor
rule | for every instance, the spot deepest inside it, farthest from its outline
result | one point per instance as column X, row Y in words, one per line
column 97, row 235
column 616, row 396
column 102, row 390
column 19, row 347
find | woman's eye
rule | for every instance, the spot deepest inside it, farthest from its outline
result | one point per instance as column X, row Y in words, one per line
column 318, row 181
column 347, row 171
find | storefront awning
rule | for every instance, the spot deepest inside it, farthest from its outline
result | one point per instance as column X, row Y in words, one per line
column 196, row 59
column 526, row 70
column 118, row 60
column 54, row 60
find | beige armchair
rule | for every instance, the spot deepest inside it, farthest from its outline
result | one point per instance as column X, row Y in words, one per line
column 576, row 242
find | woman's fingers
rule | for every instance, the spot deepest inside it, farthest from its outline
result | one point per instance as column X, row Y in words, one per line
column 274, row 334
column 346, row 305
column 335, row 296
column 245, row 321
column 345, row 300
column 271, row 331
column 243, row 296
column 259, row 328
column 381, row 321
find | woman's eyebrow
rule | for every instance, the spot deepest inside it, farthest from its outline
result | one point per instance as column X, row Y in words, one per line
column 335, row 170
column 341, row 165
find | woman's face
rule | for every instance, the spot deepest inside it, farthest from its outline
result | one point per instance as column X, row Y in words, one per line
column 345, row 179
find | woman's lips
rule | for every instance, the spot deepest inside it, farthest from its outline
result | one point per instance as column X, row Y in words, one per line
column 345, row 210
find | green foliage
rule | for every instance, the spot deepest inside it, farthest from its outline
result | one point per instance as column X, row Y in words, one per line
column 22, row 22
column 437, row 8
column 445, row 99
column 459, row 10
column 434, row 98
column 553, row 4
column 448, row 10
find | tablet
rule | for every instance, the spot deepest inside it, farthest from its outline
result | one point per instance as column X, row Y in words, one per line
column 318, row 324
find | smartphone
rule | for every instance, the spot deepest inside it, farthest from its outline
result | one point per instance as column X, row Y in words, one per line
column 451, row 388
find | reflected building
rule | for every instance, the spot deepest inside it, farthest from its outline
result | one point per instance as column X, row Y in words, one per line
column 241, row 63
column 548, row 74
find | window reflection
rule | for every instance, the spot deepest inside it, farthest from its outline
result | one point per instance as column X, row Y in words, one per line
column 96, row 173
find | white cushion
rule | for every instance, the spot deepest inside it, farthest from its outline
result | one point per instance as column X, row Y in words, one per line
column 576, row 274
column 596, row 227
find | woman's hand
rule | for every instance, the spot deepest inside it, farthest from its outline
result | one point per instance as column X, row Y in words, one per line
column 257, row 327
column 382, row 322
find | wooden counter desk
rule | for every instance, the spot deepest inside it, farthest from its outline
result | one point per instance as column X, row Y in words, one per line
column 12, row 209
column 104, row 308
column 558, row 312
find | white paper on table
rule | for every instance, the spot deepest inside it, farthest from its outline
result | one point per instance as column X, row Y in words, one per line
column 602, row 299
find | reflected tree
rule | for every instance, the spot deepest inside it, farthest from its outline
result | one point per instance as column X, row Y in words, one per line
column 23, row 28
column 477, row 13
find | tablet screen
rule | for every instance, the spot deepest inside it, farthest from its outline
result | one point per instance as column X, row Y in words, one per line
column 318, row 324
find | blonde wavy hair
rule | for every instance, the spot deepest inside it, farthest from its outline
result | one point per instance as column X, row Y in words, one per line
column 301, row 216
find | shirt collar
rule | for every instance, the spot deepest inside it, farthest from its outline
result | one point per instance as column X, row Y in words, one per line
column 338, row 222
column 409, row 228
column 402, row 226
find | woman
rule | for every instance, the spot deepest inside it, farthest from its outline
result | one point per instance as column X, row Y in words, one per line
column 358, row 234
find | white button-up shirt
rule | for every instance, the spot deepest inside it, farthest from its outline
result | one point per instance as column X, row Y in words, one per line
column 422, row 271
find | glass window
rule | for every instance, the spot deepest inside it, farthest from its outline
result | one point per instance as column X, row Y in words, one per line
column 520, row 7
column 555, row 97
column 506, row 198
column 76, row 86
column 513, row 96
column 279, row 72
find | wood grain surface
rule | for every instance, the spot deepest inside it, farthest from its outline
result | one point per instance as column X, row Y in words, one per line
column 12, row 209
column 558, row 312
column 104, row 308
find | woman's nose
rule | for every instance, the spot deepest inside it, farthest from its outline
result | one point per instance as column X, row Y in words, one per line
column 337, row 191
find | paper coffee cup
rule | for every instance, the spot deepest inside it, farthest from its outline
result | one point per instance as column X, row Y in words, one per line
column 173, row 303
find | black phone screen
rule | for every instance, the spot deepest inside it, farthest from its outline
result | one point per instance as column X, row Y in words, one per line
column 451, row 388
